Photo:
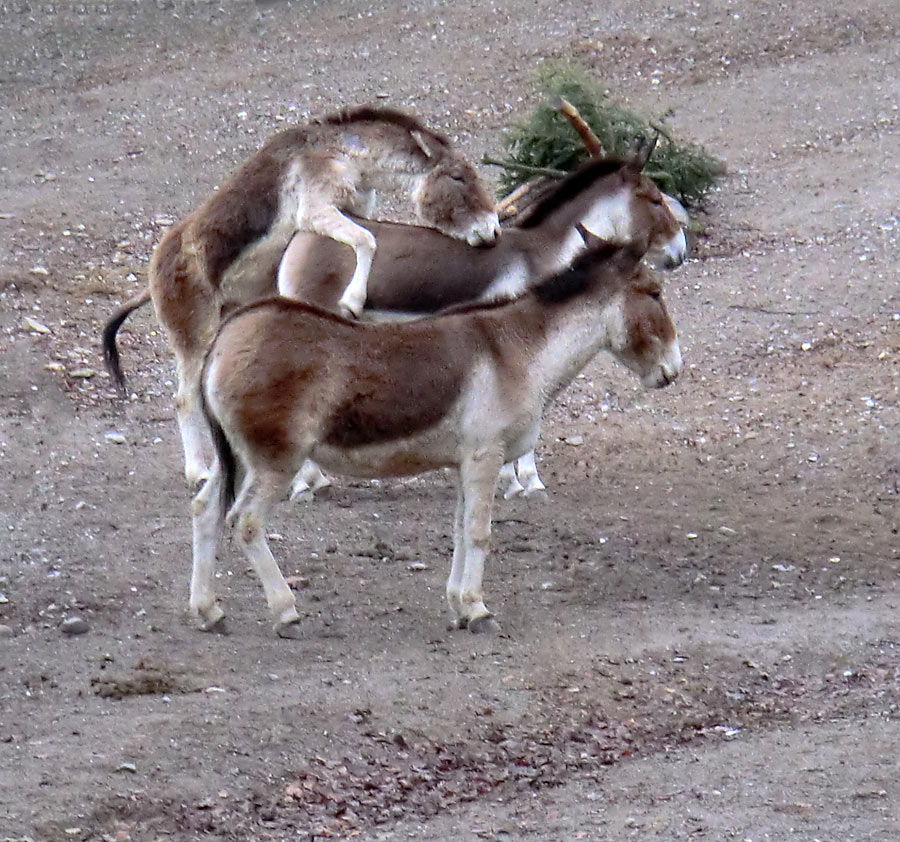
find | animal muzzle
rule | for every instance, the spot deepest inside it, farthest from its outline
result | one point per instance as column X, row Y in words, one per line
column 485, row 229
column 666, row 371
column 671, row 254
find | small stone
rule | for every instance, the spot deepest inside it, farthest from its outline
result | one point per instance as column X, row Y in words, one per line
column 115, row 438
column 418, row 565
column 6, row 631
column 127, row 766
column 35, row 326
column 83, row 373
column 74, row 625
column 39, row 270
column 575, row 441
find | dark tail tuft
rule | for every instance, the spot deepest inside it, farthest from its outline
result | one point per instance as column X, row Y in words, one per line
column 224, row 453
column 110, row 350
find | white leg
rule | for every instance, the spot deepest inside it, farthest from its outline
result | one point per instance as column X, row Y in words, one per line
column 308, row 481
column 478, row 479
column 191, row 423
column 250, row 513
column 454, row 582
column 364, row 205
column 207, row 522
column 528, row 475
column 508, row 482
column 330, row 222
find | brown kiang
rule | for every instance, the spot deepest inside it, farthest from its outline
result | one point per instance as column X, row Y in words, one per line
column 286, row 381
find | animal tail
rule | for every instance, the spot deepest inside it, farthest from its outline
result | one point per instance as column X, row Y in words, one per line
column 110, row 350
column 225, row 455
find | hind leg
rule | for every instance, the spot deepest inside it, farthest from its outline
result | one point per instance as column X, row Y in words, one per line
column 188, row 308
column 191, row 423
column 208, row 521
column 261, row 490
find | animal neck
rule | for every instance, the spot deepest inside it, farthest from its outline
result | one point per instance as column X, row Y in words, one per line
column 554, row 242
column 609, row 218
column 563, row 335
column 574, row 336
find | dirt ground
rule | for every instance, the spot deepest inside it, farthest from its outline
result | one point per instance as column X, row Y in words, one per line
column 701, row 637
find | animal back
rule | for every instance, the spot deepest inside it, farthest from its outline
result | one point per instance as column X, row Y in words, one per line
column 244, row 209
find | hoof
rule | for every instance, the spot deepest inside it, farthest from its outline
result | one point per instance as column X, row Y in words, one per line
column 534, row 488
column 289, row 631
column 302, row 495
column 196, row 482
column 214, row 621
column 486, row 624
column 513, row 490
column 350, row 311
column 458, row 624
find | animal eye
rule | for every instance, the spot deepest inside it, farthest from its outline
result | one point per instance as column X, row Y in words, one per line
column 655, row 295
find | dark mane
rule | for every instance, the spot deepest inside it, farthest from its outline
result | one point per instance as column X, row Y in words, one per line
column 579, row 276
column 571, row 186
column 566, row 284
column 371, row 114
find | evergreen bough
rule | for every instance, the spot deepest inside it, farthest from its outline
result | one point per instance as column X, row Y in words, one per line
column 548, row 142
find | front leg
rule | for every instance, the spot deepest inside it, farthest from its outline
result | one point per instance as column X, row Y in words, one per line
column 308, row 481
column 508, row 482
column 528, row 475
column 478, row 479
column 330, row 222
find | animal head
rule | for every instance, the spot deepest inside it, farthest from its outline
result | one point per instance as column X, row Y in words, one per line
column 451, row 198
column 640, row 212
column 642, row 333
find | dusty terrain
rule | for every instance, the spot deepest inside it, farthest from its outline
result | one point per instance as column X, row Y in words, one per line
column 701, row 636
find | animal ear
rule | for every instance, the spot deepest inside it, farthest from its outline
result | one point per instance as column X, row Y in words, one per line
column 427, row 144
column 642, row 150
column 591, row 240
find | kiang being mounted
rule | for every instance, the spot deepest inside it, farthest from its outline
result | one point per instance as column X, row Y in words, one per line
column 305, row 178
column 285, row 381
column 418, row 271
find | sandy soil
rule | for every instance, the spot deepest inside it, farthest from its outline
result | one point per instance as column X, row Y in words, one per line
column 701, row 636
